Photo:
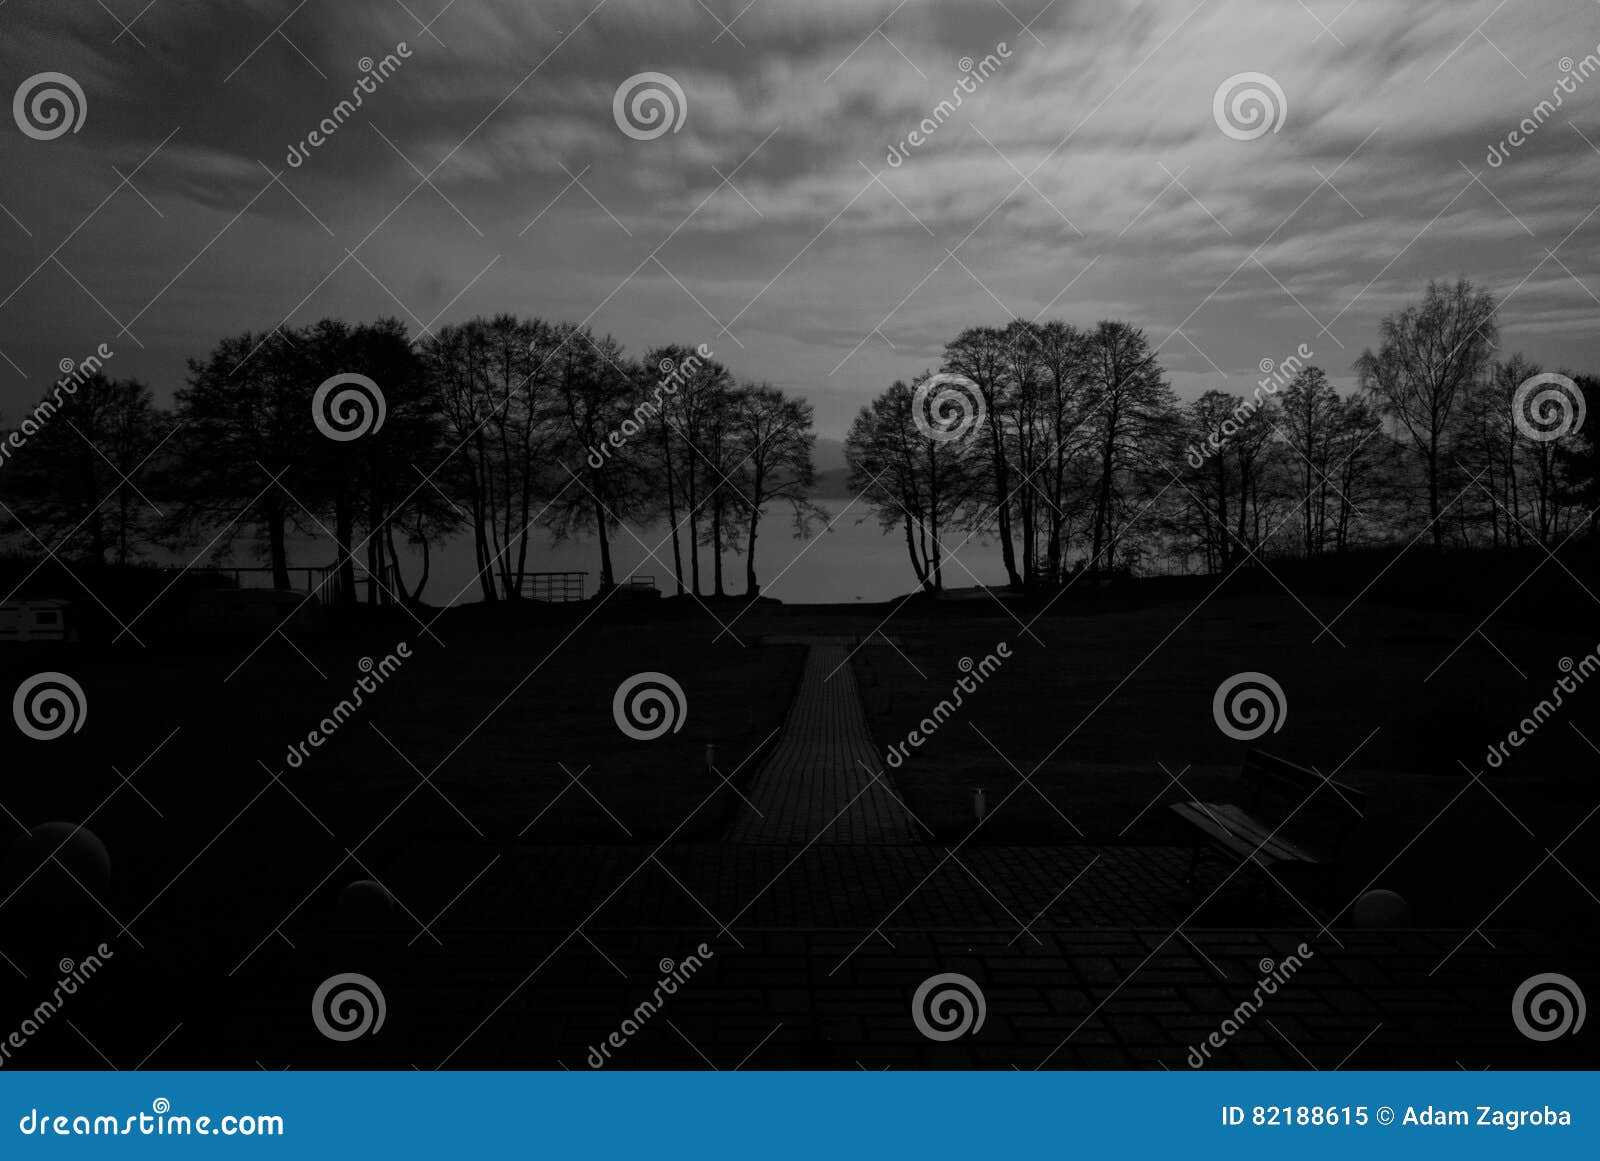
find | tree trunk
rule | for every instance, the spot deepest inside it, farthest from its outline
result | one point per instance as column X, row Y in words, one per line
column 1002, row 485
column 343, row 533
column 527, row 504
column 276, row 548
column 911, row 551
column 608, row 580
column 751, row 588
column 1102, row 506
column 694, row 530
column 672, row 508
column 716, row 542
column 377, row 529
column 480, row 558
column 1433, row 490
column 427, row 564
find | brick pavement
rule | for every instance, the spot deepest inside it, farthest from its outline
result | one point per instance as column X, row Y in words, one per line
column 815, row 961
column 820, row 885
column 1084, row 998
column 818, row 783
column 535, row 954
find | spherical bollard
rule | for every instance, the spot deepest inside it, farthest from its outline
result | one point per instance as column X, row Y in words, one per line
column 365, row 905
column 55, row 863
column 1382, row 910
column 60, row 874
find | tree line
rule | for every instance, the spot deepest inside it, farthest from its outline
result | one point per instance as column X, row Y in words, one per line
column 1068, row 447
column 494, row 429
column 1063, row 446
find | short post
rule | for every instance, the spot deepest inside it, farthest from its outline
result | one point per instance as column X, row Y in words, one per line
column 980, row 803
column 711, row 758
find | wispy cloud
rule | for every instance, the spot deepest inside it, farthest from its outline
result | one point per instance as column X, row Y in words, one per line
column 1092, row 148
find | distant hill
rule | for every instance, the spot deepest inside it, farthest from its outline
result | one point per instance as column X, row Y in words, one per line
column 833, row 471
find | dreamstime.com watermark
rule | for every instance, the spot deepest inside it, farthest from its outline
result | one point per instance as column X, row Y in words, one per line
column 348, row 406
column 161, row 1121
column 947, row 408
column 377, row 673
column 948, row 1006
column 1273, row 977
column 1276, row 376
column 49, row 705
column 673, row 976
column 49, row 105
column 1574, row 73
column 73, row 977
column 373, row 74
column 649, row 105
column 649, row 705
column 1547, row 407
column 1248, row 106
column 673, row 377
column 73, row 376
column 947, row 707
column 1578, row 672
column 974, row 74
column 1249, row 705
column 1548, row 1006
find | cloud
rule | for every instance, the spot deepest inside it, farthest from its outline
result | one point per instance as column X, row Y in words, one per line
column 775, row 204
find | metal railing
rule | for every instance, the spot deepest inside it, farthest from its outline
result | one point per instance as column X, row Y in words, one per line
column 554, row 586
column 322, row 582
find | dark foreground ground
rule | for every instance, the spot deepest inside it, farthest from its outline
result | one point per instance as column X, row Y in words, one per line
column 547, row 872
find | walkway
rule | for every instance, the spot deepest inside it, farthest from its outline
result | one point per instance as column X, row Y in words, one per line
column 818, row 782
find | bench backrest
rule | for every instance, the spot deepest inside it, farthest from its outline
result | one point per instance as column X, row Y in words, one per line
column 1321, row 811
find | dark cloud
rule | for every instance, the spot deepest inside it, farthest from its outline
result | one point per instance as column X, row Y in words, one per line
column 1223, row 249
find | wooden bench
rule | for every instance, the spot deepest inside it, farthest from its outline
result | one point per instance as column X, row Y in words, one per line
column 1294, row 816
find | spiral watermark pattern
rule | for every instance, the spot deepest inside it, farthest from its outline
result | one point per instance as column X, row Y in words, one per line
column 948, row 1006
column 1547, row 407
column 648, row 706
column 1249, row 705
column 673, row 977
column 348, row 1006
column 1275, row 974
column 649, row 105
column 1249, row 105
column 946, row 407
column 1548, row 1006
column 976, row 673
column 48, row 706
column 347, row 407
column 49, row 105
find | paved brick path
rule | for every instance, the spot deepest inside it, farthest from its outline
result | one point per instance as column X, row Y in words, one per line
column 1002, row 888
column 1089, row 998
column 818, row 784
column 816, row 954
column 822, row 922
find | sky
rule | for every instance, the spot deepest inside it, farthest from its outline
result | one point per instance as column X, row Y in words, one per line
column 1086, row 176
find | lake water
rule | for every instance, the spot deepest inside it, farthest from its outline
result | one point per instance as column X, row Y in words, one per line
column 853, row 560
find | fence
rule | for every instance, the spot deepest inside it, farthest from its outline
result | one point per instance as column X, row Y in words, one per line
column 554, row 586
column 322, row 582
